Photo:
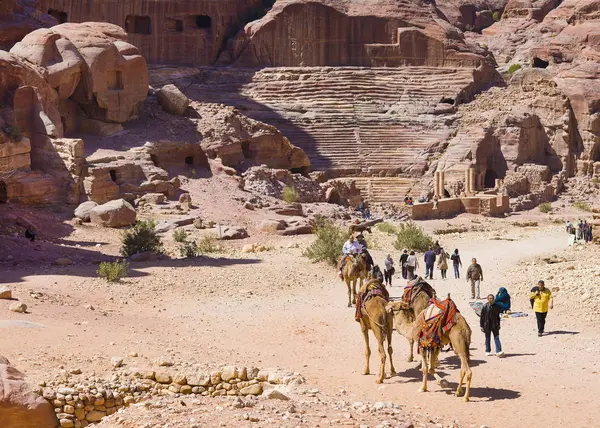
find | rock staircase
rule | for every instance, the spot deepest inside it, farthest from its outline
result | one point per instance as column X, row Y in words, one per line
column 349, row 120
column 388, row 189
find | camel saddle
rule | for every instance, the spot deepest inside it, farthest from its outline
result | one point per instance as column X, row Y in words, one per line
column 369, row 290
column 438, row 318
column 414, row 288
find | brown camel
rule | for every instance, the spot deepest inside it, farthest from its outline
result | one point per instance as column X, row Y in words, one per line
column 374, row 317
column 355, row 269
column 404, row 320
column 459, row 336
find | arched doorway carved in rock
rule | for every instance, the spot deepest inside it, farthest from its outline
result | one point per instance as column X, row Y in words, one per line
column 489, row 180
column 3, row 192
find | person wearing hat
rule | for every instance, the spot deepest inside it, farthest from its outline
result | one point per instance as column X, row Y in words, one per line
column 542, row 301
column 365, row 249
column 351, row 247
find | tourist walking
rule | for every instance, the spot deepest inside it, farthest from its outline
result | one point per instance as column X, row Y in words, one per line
column 429, row 262
column 443, row 263
column 490, row 324
column 590, row 234
column 542, row 301
column 403, row 258
column 502, row 300
column 475, row 276
column 456, row 263
column 580, row 230
column 411, row 266
column 388, row 271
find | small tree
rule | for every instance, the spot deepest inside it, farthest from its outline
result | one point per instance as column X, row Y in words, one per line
column 545, row 207
column 328, row 245
column 289, row 194
column 141, row 238
column 412, row 237
column 513, row 68
column 113, row 272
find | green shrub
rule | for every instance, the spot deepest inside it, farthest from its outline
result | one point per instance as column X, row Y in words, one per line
column 412, row 237
column 141, row 238
column 289, row 194
column 545, row 207
column 189, row 249
column 180, row 235
column 113, row 271
column 209, row 244
column 387, row 228
column 496, row 16
column 583, row 206
column 513, row 68
column 329, row 243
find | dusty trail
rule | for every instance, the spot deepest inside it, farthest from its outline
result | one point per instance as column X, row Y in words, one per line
column 279, row 311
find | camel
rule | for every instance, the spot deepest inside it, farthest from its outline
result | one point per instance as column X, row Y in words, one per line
column 404, row 320
column 459, row 336
column 374, row 317
column 355, row 269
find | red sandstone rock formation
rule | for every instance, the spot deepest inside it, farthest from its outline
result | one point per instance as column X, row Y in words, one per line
column 472, row 15
column 93, row 70
column 187, row 32
column 19, row 407
column 19, row 17
column 342, row 32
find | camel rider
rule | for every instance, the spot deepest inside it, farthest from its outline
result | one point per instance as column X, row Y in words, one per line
column 351, row 247
column 365, row 249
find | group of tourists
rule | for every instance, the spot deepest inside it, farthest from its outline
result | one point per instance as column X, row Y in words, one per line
column 364, row 210
column 582, row 232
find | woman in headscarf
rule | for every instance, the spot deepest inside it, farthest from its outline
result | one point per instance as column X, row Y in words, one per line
column 502, row 300
column 443, row 263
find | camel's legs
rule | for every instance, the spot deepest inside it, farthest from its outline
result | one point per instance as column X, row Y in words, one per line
column 349, row 292
column 380, row 338
column 464, row 367
column 389, row 340
column 411, row 356
column 354, row 291
column 461, row 379
column 365, row 332
column 424, row 363
column 435, row 352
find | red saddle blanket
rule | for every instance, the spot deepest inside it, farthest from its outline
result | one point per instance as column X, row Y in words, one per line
column 433, row 329
column 376, row 289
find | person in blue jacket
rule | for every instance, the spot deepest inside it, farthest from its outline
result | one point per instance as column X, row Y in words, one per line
column 502, row 300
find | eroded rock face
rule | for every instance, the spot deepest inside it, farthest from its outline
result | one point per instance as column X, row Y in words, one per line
column 271, row 182
column 19, row 17
column 91, row 65
column 19, row 407
column 117, row 213
column 472, row 15
column 241, row 142
column 343, row 32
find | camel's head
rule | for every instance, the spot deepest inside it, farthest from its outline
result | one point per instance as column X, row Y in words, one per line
column 396, row 307
column 359, row 263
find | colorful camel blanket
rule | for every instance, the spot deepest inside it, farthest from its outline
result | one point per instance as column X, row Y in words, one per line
column 414, row 288
column 367, row 292
column 437, row 319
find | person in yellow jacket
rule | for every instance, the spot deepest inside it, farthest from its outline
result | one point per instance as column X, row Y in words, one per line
column 542, row 301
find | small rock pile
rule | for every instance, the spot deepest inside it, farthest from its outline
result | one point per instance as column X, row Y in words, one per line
column 77, row 404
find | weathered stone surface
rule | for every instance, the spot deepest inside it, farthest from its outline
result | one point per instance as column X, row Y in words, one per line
column 152, row 198
column 19, row 17
column 5, row 292
column 271, row 182
column 84, row 209
column 173, row 100
column 255, row 389
column 146, row 256
column 230, row 232
column 272, row 225
column 18, row 307
column 18, row 406
column 116, row 213
column 274, row 394
column 63, row 261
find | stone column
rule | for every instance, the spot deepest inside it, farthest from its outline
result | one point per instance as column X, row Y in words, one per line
column 472, row 179
column 436, row 184
column 442, row 183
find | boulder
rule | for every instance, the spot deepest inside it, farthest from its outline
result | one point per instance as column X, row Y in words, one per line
column 5, row 293
column 117, row 213
column 83, row 210
column 167, row 225
column 304, row 229
column 272, row 225
column 62, row 261
column 18, row 307
column 274, row 394
column 146, row 256
column 173, row 100
column 152, row 198
column 231, row 232
column 19, row 406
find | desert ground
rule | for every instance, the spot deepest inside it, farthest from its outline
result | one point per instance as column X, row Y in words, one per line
column 276, row 309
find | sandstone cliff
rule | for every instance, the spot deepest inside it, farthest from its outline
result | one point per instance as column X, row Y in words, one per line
column 19, row 17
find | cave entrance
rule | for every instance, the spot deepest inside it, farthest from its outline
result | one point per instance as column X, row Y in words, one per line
column 446, row 193
column 447, row 100
column 203, row 21
column 60, row 16
column 489, row 181
column 138, row 24
column 175, row 25
column 189, row 160
column 113, row 175
column 540, row 63
column 154, row 159
column 3, row 192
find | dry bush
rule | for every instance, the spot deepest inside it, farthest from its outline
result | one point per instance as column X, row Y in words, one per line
column 113, row 271
column 412, row 237
column 141, row 238
column 329, row 243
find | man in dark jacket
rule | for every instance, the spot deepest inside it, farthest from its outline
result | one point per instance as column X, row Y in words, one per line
column 429, row 262
column 490, row 323
column 403, row 259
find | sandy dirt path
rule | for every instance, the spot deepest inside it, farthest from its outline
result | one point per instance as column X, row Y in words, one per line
column 277, row 310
